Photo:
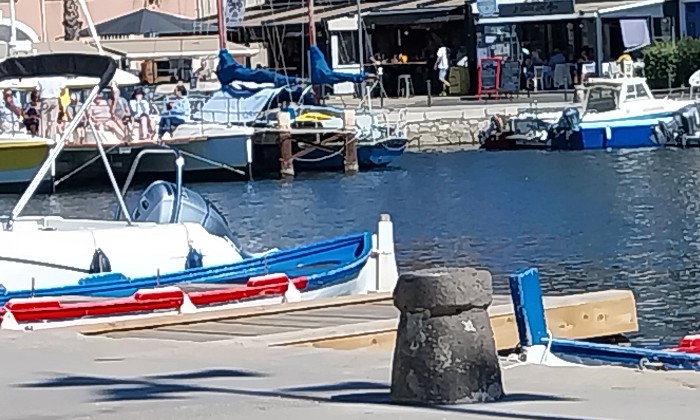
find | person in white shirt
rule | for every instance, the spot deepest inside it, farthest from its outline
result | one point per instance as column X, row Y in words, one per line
column 442, row 64
column 49, row 93
column 141, row 110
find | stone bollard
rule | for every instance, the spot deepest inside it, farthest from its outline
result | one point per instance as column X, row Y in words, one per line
column 445, row 351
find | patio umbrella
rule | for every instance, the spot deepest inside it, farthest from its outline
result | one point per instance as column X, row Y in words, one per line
column 146, row 21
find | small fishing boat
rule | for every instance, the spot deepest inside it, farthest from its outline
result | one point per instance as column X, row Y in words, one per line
column 622, row 113
column 617, row 113
column 331, row 266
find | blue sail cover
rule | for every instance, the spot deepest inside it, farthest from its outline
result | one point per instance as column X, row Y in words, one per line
column 228, row 70
column 237, row 105
column 321, row 74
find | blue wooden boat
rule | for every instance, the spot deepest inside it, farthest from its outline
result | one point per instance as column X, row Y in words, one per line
column 327, row 264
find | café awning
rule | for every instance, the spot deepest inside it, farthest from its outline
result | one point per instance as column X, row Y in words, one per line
column 589, row 10
column 174, row 47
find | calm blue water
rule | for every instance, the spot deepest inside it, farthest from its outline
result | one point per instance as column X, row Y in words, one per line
column 589, row 220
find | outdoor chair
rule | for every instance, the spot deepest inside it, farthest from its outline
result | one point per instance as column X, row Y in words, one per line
column 694, row 83
column 406, row 87
column 562, row 76
column 542, row 78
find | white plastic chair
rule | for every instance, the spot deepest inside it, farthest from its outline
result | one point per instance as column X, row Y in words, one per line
column 612, row 69
column 538, row 77
column 562, row 77
column 627, row 68
column 694, row 82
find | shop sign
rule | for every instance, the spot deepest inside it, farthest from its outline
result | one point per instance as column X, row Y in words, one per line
column 536, row 8
column 487, row 8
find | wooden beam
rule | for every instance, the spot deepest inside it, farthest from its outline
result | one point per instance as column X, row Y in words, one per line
column 581, row 316
column 157, row 321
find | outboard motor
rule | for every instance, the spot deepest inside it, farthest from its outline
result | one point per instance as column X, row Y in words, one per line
column 565, row 134
column 494, row 136
column 159, row 203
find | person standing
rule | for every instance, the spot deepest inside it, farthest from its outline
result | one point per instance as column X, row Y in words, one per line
column 442, row 65
column 49, row 93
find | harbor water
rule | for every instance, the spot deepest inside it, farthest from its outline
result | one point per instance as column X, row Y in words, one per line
column 589, row 221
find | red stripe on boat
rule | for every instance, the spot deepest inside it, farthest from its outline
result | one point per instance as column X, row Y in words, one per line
column 268, row 280
column 145, row 300
column 689, row 344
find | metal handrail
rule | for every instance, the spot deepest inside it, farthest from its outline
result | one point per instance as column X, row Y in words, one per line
column 179, row 165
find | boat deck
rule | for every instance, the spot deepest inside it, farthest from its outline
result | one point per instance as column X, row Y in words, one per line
column 366, row 321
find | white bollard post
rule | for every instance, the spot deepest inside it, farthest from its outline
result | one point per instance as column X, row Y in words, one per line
column 9, row 322
column 292, row 294
column 387, row 271
column 187, row 306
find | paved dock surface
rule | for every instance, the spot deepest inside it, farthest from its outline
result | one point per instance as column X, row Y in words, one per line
column 61, row 375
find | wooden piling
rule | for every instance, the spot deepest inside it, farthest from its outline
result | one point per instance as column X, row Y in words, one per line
column 284, row 123
column 351, row 165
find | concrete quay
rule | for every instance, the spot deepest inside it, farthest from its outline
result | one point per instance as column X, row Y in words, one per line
column 453, row 123
column 61, row 375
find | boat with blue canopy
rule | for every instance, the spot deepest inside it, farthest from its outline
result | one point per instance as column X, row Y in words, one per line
column 253, row 97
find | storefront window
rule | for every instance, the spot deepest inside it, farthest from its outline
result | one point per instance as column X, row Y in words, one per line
column 347, row 47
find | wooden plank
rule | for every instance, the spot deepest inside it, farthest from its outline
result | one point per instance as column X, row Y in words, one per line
column 586, row 315
column 226, row 313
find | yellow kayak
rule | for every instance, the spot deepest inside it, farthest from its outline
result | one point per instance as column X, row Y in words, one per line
column 313, row 116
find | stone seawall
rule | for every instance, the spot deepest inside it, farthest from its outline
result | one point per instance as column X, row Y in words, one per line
column 451, row 127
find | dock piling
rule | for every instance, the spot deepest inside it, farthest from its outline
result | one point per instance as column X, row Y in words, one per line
column 284, row 122
column 350, row 139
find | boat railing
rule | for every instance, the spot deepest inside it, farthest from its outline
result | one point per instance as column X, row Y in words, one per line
column 179, row 169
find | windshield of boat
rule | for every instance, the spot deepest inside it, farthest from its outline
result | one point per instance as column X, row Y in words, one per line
column 602, row 99
column 636, row 91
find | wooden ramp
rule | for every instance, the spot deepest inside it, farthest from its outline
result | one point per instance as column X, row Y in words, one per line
column 368, row 322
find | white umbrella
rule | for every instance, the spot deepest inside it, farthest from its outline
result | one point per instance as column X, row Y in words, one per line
column 121, row 78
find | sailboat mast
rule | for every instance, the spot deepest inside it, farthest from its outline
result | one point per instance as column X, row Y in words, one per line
column 312, row 23
column 220, row 23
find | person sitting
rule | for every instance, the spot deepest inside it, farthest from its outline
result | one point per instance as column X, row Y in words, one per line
column 177, row 112
column 141, row 111
column 9, row 114
column 71, row 110
column 101, row 115
column 121, row 114
column 556, row 58
column 31, row 114
column 203, row 73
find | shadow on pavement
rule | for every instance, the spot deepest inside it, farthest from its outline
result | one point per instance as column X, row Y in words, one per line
column 180, row 386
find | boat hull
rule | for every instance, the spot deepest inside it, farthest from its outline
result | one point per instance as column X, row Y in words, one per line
column 19, row 162
column 674, row 127
column 332, row 263
column 46, row 253
column 215, row 153
column 622, row 134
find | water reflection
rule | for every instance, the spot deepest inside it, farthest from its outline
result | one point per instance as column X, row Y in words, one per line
column 590, row 221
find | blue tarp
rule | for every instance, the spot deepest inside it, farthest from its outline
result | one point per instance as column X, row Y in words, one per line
column 243, row 102
column 228, row 70
column 321, row 74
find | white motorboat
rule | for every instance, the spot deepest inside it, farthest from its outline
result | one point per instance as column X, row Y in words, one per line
column 48, row 251
column 623, row 113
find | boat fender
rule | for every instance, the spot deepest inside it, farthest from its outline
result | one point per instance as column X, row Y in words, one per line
column 100, row 263
column 194, row 259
